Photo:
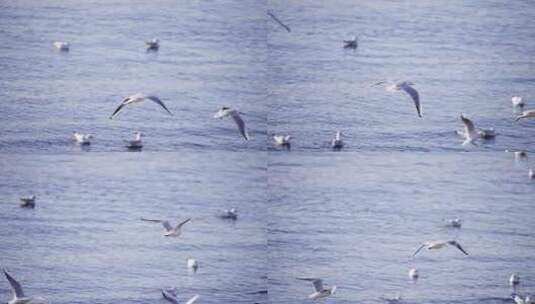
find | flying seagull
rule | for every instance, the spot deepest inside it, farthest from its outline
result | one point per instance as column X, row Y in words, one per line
column 433, row 245
column 62, row 46
column 526, row 114
column 320, row 290
column 171, row 296
column 352, row 43
column 82, row 139
column 27, row 202
column 278, row 21
column 406, row 86
column 226, row 111
column 337, row 142
column 169, row 230
column 137, row 98
column 471, row 133
column 136, row 142
column 16, row 290
column 153, row 45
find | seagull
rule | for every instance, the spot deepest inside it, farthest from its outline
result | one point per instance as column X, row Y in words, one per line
column 455, row 223
column 282, row 140
column 226, row 111
column 518, row 154
column 337, row 142
column 514, row 279
column 169, row 230
column 470, row 133
column 28, row 202
column 351, row 44
column 278, row 21
column 392, row 300
column 62, row 46
column 137, row 98
column 431, row 245
column 413, row 274
column 531, row 173
column 230, row 214
column 16, row 290
column 192, row 264
column 153, row 45
column 136, row 142
column 518, row 300
column 82, row 139
column 405, row 86
column 171, row 296
column 321, row 291
column 518, row 101
column 526, row 114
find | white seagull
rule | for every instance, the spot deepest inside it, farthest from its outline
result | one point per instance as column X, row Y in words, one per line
column 28, row 202
column 433, row 245
column 514, row 279
column 82, row 139
column 231, row 213
column 137, row 98
column 531, row 173
column 413, row 274
column 16, row 290
column 455, row 223
column 320, row 290
column 282, row 140
column 518, row 300
column 226, row 111
column 518, row 101
column 169, row 230
column 337, row 142
column 526, row 114
column 153, row 45
column 470, row 134
column 171, row 296
column 136, row 142
column 352, row 43
column 406, row 86
column 62, row 46
column 192, row 264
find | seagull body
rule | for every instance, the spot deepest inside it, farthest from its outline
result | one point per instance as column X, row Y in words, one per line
column 514, row 279
column 518, row 300
column 393, row 300
column 337, row 142
column 526, row 114
column 171, row 296
column 413, row 274
column 62, row 46
column 16, row 290
column 226, row 111
column 405, row 86
column 282, row 140
column 137, row 98
column 82, row 139
column 153, row 45
column 27, row 202
column 351, row 44
column 320, row 290
column 434, row 245
column 470, row 133
column 192, row 264
column 136, row 142
column 455, row 223
column 518, row 101
column 531, row 173
column 230, row 214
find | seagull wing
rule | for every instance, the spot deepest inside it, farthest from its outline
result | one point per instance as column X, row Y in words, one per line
column 378, row 83
column 181, row 224
column 454, row 243
column 415, row 97
column 278, row 21
column 150, row 220
column 318, row 283
column 240, row 123
column 158, row 101
column 193, row 299
column 469, row 128
column 119, row 108
column 15, row 286
column 167, row 226
column 170, row 296
column 418, row 250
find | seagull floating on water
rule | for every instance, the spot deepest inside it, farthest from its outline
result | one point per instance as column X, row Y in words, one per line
column 518, row 101
column 82, row 139
column 518, row 300
column 455, row 223
column 16, row 290
column 226, row 111
column 531, row 173
column 136, row 142
column 413, row 274
column 433, row 245
column 192, row 264
column 526, row 114
column 392, row 300
column 169, row 230
column 230, row 214
column 514, row 279
column 137, row 98
column 406, row 86
column 28, row 202
column 62, row 46
column 153, row 45
column 337, row 142
column 282, row 140
column 352, row 43
column 320, row 290
column 171, row 296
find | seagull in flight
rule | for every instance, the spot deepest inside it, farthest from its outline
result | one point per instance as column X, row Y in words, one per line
column 471, row 133
column 62, row 46
column 320, row 290
column 433, row 245
column 171, row 296
column 28, row 202
column 16, row 290
column 526, row 114
column 226, row 111
column 337, row 143
column 168, row 229
column 153, row 45
column 352, row 43
column 137, row 98
column 405, row 86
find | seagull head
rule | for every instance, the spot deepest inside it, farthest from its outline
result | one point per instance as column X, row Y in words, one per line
column 222, row 112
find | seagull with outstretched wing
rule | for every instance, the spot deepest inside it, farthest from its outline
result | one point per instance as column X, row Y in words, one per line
column 137, row 98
